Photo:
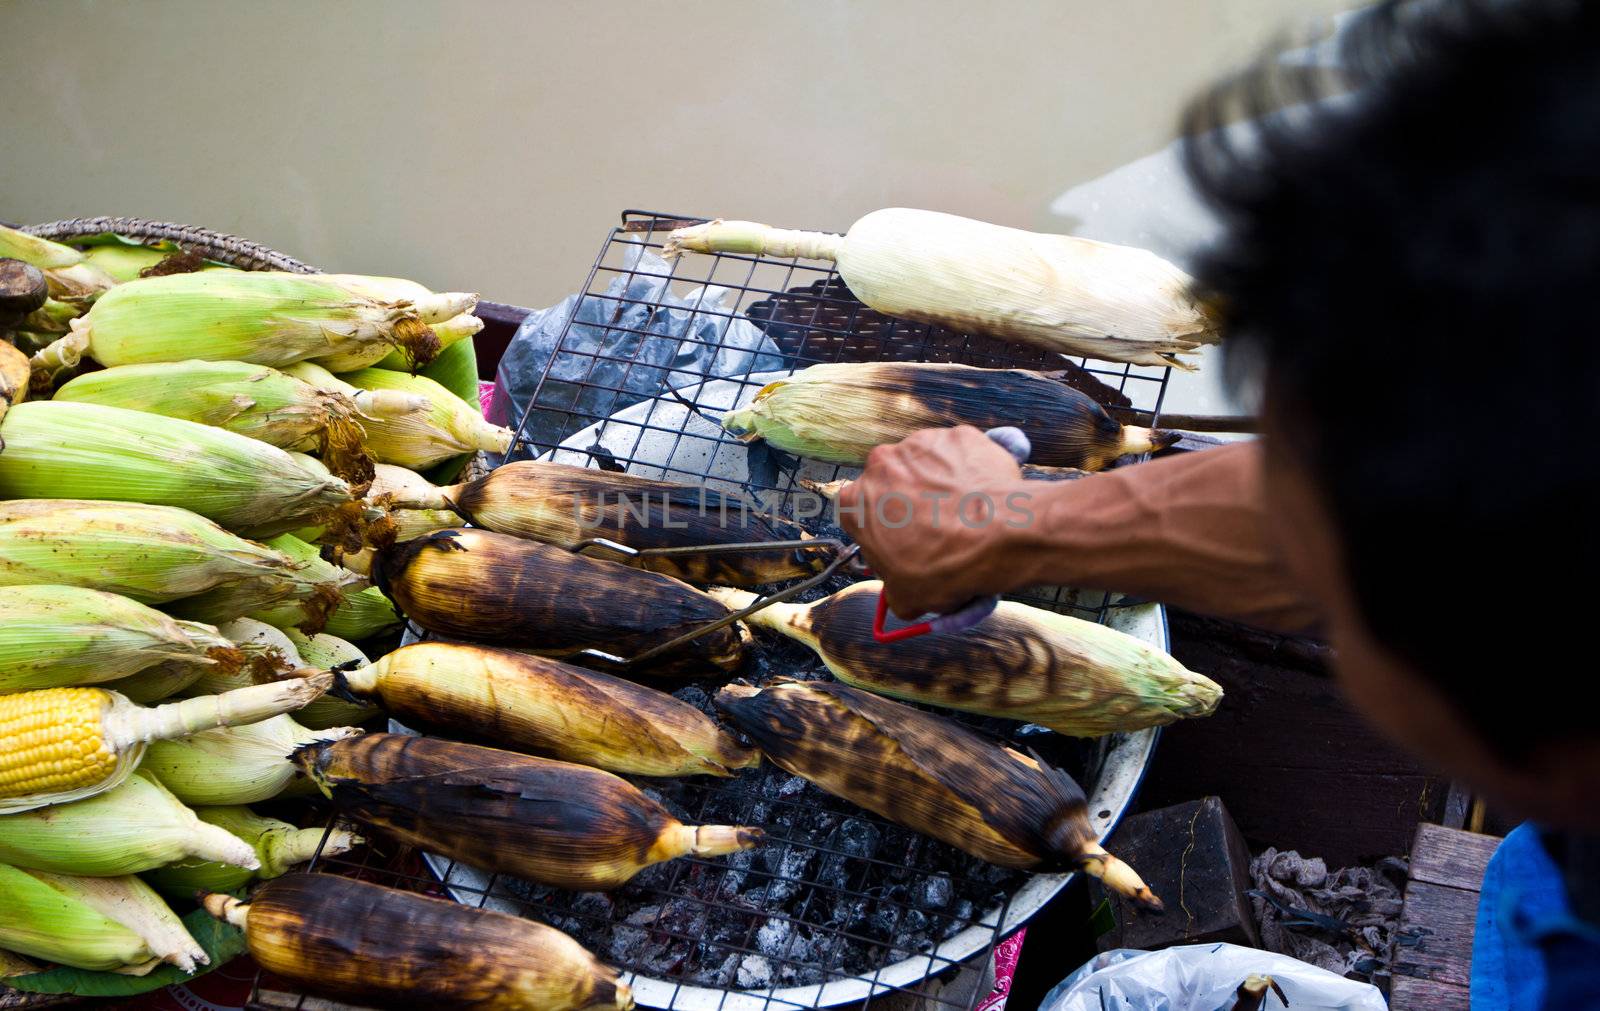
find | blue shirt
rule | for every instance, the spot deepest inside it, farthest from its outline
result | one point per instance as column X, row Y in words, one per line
column 1529, row 951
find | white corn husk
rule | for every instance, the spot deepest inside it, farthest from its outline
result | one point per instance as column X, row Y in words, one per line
column 279, row 847
column 105, row 924
column 450, row 427
column 438, row 310
column 235, row 765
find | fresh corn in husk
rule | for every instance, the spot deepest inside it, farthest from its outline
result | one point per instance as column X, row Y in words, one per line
column 1059, row 292
column 840, row 412
column 325, row 652
column 156, row 684
column 400, row 290
column 450, row 333
column 530, row 703
column 1023, row 663
column 394, row 488
column 504, row 591
column 152, row 554
column 136, row 827
column 106, row 924
column 374, row 945
column 450, row 426
column 52, row 318
column 64, row 744
column 60, row 636
column 278, row 846
column 261, row 317
column 362, row 615
column 15, row 375
column 929, row 774
column 234, row 765
column 563, row 505
column 65, row 450
column 553, row 822
column 305, row 601
column 65, row 269
column 126, row 261
column 254, row 400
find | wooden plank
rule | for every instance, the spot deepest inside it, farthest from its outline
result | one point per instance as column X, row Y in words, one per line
column 1409, row 994
column 1442, row 920
column 1451, row 857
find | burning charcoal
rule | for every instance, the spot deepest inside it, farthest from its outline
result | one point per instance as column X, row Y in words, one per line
column 774, row 938
column 754, row 971
column 790, row 786
column 695, row 696
column 857, row 838
column 963, row 912
column 937, row 891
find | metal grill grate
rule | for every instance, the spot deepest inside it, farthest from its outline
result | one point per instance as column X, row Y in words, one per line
column 694, row 950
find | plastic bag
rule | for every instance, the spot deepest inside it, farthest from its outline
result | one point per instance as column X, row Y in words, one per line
column 1203, row 977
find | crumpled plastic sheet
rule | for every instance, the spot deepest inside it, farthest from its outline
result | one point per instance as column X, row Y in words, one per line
column 1203, row 977
column 1366, row 900
column 650, row 342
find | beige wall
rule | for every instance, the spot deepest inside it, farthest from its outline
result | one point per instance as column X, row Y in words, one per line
column 488, row 145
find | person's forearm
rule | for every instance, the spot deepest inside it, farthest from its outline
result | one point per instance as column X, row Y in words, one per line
column 1187, row 530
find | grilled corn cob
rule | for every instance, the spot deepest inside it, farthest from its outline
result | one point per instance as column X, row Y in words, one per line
column 60, row 636
column 552, row 822
column 450, row 426
column 15, row 374
column 63, row 744
column 839, row 412
column 530, row 703
column 449, row 333
column 107, row 924
column 1058, row 292
column 928, row 774
column 65, row 450
column 563, row 505
column 136, row 827
column 278, row 847
column 261, row 317
column 500, row 590
column 306, row 600
column 254, row 400
column 1023, row 663
column 325, row 652
column 234, row 765
column 361, row 941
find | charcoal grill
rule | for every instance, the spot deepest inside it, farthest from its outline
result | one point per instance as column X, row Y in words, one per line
column 823, row 916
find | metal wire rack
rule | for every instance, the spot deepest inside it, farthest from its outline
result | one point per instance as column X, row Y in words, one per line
column 704, row 930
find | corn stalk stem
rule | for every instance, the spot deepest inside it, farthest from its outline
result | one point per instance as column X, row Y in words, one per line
column 65, row 353
column 127, row 725
column 752, row 237
column 226, row 908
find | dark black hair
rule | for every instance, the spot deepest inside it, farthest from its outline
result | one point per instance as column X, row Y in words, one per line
column 1411, row 269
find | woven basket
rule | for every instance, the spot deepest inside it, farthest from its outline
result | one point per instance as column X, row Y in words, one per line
column 218, row 246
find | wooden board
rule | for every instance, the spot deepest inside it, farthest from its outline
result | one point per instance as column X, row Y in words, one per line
column 1450, row 857
column 1441, row 911
column 1408, row 994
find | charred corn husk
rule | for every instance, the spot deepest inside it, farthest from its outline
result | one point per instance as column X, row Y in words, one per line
column 505, row 591
column 15, row 374
column 64, row 744
column 839, row 412
column 929, row 774
column 278, row 847
column 1023, row 663
column 563, row 505
column 530, row 703
column 552, row 822
column 135, row 827
column 325, row 652
column 376, row 945
column 262, row 317
column 152, row 554
column 304, row 600
column 234, row 765
column 1058, row 292
column 363, row 614
column 65, row 450
column 449, row 427
column 254, row 400
column 107, row 924
column 60, row 636
column 449, row 333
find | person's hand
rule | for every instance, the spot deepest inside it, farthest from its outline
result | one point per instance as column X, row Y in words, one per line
column 934, row 516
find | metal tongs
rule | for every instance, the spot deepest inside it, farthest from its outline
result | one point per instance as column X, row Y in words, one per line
column 1011, row 439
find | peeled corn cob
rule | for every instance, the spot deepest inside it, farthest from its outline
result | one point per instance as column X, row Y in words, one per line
column 563, row 505
column 1023, row 663
column 552, row 822
column 234, row 765
column 361, row 941
column 64, row 744
column 65, row 450
column 450, row 333
column 505, row 591
column 60, row 636
column 277, row 846
column 1058, row 292
column 325, row 652
column 929, row 774
column 305, row 601
column 254, row 400
column 840, row 412
column 530, row 703
column 363, row 614
column 106, row 924
column 135, row 827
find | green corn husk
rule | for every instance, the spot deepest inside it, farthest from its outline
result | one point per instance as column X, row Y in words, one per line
column 261, row 317
column 135, row 827
column 54, row 318
column 449, row 428
column 399, row 290
column 58, row 636
column 41, row 253
column 152, row 554
column 278, row 845
column 253, row 400
column 126, row 260
column 158, row 683
column 105, row 924
column 325, row 652
column 269, row 655
column 235, row 765
column 456, row 330
column 66, row 450
column 317, row 587
column 362, row 615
